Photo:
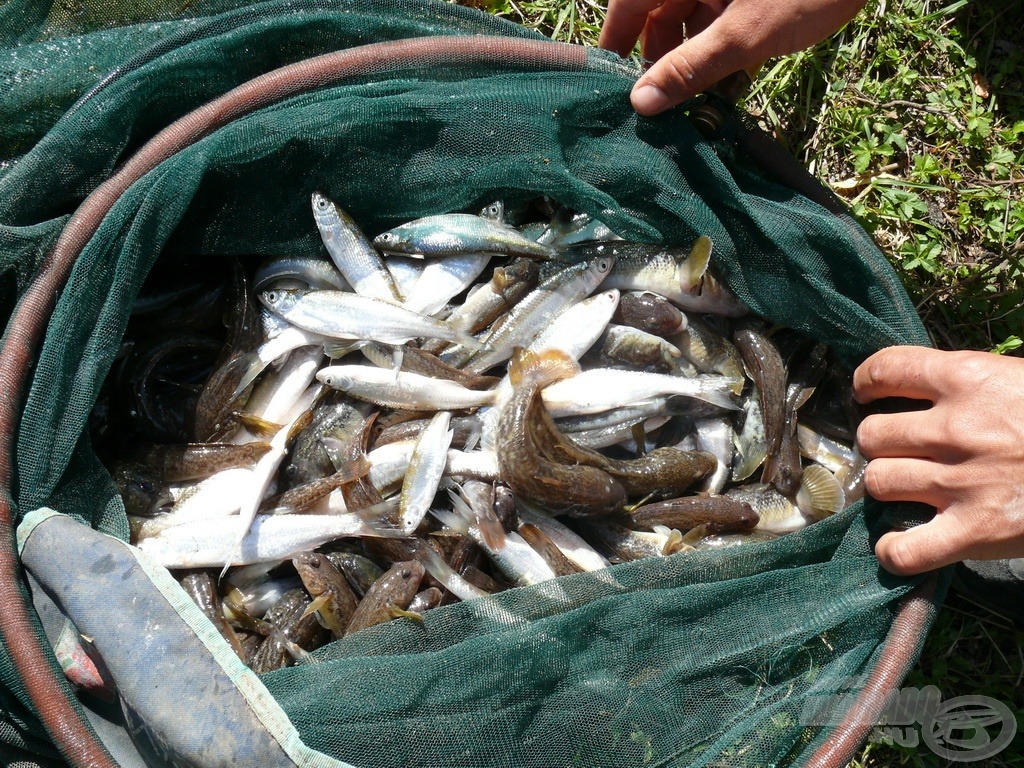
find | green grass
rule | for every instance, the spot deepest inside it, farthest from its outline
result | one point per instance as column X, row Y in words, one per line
column 914, row 115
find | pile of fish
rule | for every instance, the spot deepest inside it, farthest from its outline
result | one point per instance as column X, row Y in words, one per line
column 466, row 403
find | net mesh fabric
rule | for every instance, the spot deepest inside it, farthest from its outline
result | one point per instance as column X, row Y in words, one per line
column 699, row 659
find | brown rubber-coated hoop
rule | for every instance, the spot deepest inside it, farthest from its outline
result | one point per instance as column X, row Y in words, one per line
column 915, row 612
column 32, row 659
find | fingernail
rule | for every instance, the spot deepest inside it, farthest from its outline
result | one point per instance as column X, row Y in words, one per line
column 649, row 100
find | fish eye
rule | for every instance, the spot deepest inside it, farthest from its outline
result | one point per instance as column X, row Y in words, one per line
column 146, row 486
column 407, row 573
column 272, row 297
column 604, row 265
column 387, row 237
column 321, row 203
column 493, row 209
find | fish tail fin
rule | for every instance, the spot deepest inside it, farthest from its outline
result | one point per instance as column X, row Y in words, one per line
column 460, row 516
column 717, row 390
column 257, row 426
column 444, row 573
column 467, row 340
column 820, row 494
column 252, row 365
column 770, row 468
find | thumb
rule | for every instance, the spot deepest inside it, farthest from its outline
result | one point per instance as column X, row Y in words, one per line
column 942, row 541
column 694, row 66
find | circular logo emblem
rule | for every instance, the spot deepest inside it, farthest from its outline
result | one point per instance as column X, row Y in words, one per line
column 969, row 728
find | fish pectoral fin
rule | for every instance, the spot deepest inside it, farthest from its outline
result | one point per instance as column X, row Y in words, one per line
column 400, row 613
column 316, row 605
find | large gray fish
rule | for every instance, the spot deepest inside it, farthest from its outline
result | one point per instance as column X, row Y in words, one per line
column 456, row 234
column 602, row 389
column 205, row 543
column 398, row 389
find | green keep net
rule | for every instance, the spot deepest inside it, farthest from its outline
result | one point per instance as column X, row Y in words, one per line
column 701, row 659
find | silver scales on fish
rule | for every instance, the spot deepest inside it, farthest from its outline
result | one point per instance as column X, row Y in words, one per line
column 465, row 404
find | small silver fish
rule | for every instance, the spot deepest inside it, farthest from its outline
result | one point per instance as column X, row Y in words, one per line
column 456, row 234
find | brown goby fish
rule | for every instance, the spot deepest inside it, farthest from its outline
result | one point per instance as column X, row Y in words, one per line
column 333, row 598
column 395, row 589
column 719, row 514
column 523, row 468
column 200, row 586
column 649, row 312
column 663, row 471
column 764, row 364
column 294, row 632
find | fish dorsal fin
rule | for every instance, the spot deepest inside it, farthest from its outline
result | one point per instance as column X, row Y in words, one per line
column 694, row 266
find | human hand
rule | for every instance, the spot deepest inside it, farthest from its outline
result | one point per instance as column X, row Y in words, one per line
column 964, row 455
column 722, row 37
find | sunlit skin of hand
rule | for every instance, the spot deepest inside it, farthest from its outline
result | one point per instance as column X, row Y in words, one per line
column 720, row 38
column 964, row 455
